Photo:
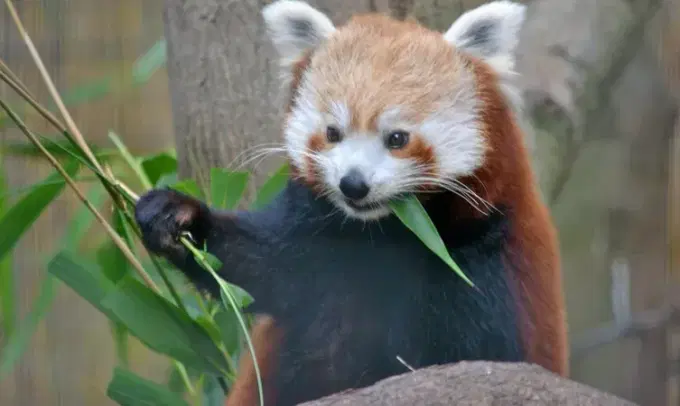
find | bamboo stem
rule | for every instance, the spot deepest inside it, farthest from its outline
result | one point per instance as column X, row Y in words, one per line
column 112, row 233
column 12, row 81
column 7, row 76
column 116, row 188
column 70, row 124
column 71, row 131
column 12, row 75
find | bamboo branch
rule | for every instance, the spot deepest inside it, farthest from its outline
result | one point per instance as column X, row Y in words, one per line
column 116, row 189
column 105, row 174
column 70, row 131
column 70, row 124
column 12, row 75
column 7, row 76
column 112, row 233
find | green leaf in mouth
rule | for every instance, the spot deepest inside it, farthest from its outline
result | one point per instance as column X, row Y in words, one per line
column 412, row 213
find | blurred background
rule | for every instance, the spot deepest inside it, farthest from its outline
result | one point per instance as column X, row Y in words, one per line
column 601, row 80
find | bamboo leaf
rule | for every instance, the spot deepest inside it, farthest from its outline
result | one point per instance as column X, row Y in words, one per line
column 226, row 321
column 83, row 218
column 227, row 187
column 166, row 180
column 115, row 266
column 156, row 322
column 7, row 302
column 188, row 186
column 412, row 213
column 163, row 327
column 210, row 327
column 26, row 211
column 149, row 63
column 213, row 395
column 157, row 166
column 229, row 300
column 85, row 278
column 112, row 263
column 272, row 187
column 19, row 340
column 128, row 389
column 87, row 92
column 132, row 161
column 91, row 286
column 58, row 148
column 243, row 299
column 175, row 381
column 212, row 260
column 120, row 339
column 110, row 258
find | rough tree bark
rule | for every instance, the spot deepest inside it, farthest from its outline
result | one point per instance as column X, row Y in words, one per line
column 475, row 384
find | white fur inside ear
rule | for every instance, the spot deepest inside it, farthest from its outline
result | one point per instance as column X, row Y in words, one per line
column 294, row 27
column 490, row 32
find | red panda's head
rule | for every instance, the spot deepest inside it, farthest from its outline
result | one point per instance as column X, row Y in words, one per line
column 380, row 108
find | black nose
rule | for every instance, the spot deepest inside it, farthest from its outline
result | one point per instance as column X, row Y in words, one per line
column 353, row 185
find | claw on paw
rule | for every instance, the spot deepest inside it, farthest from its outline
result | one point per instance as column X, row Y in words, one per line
column 164, row 215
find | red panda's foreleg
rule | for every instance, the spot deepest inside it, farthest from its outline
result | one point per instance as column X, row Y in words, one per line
column 265, row 336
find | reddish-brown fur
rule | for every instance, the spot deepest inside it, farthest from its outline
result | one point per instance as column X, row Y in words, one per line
column 298, row 70
column 387, row 73
column 505, row 179
column 265, row 336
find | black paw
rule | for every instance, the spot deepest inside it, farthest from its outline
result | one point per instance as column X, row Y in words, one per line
column 164, row 215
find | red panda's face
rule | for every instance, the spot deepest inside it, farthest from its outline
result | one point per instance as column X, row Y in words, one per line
column 382, row 108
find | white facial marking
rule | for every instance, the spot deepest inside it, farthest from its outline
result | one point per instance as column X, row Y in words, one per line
column 366, row 153
column 304, row 121
column 293, row 28
column 454, row 132
column 491, row 32
column 340, row 115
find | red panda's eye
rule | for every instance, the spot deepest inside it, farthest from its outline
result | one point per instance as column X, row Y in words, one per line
column 397, row 139
column 333, row 134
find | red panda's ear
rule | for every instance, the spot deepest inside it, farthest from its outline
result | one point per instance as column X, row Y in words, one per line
column 295, row 27
column 490, row 32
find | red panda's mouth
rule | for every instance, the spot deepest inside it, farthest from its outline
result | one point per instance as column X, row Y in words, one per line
column 371, row 205
column 367, row 206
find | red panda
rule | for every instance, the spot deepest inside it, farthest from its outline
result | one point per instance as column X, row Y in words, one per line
column 380, row 109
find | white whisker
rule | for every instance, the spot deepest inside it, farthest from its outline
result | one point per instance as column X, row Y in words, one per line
column 409, row 183
column 251, row 148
